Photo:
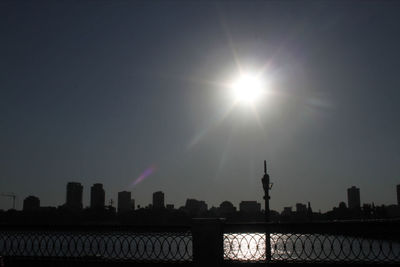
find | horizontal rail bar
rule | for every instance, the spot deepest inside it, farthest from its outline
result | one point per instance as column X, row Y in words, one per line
column 98, row 228
column 389, row 229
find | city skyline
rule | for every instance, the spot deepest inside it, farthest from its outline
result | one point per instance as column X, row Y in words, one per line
column 143, row 96
column 353, row 200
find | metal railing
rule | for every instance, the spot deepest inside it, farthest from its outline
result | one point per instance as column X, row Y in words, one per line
column 106, row 243
column 207, row 242
column 354, row 242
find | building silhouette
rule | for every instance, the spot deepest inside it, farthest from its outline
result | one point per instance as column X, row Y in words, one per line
column 31, row 203
column 353, row 198
column 301, row 208
column 342, row 205
column 124, row 202
column 194, row 206
column 74, row 196
column 249, row 207
column 287, row 212
column 226, row 207
column 309, row 211
column 398, row 194
column 158, row 200
column 97, row 196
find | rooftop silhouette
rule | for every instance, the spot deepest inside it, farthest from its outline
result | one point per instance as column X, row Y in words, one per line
column 158, row 212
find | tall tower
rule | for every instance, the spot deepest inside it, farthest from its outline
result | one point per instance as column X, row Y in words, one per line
column 353, row 197
column 267, row 186
column 158, row 200
column 398, row 194
column 97, row 196
column 74, row 196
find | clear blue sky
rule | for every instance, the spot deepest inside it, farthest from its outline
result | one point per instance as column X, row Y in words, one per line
column 100, row 91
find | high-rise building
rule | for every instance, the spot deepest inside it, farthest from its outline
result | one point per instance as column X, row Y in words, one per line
column 158, row 200
column 249, row 206
column 124, row 202
column 74, row 196
column 398, row 194
column 353, row 197
column 31, row 203
column 97, row 196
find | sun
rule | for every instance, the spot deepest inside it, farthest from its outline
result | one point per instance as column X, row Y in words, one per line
column 247, row 89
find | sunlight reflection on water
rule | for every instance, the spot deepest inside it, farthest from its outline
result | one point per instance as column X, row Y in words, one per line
column 244, row 246
column 308, row 247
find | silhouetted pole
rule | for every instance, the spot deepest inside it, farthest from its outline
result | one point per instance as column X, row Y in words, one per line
column 267, row 186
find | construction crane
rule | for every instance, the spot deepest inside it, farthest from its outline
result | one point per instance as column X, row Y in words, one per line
column 12, row 195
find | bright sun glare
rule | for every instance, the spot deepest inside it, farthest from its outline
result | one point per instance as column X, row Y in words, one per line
column 247, row 89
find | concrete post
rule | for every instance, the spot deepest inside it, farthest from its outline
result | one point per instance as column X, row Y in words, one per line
column 208, row 242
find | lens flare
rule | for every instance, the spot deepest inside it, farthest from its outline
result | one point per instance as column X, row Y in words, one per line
column 144, row 175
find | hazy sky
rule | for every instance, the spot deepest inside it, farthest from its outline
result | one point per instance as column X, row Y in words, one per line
column 101, row 91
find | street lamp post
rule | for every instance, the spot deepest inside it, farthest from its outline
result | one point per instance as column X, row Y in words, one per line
column 267, row 186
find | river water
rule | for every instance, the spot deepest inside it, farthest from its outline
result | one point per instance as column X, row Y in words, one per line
column 178, row 246
column 309, row 247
